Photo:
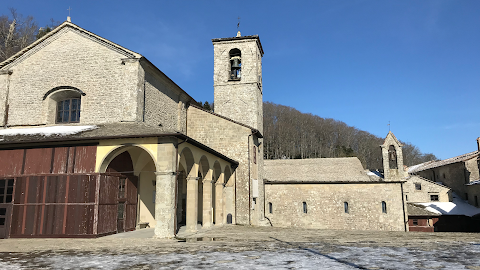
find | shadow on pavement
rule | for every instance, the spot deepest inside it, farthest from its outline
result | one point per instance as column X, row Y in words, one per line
column 321, row 254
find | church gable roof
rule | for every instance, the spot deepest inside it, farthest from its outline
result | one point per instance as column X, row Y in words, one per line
column 391, row 139
column 62, row 28
column 315, row 170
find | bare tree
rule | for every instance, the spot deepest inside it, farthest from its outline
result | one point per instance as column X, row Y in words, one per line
column 16, row 32
column 289, row 133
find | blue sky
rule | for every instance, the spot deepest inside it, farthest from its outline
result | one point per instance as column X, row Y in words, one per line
column 413, row 63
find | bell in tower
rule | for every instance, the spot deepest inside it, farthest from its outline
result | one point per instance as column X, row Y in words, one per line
column 235, row 64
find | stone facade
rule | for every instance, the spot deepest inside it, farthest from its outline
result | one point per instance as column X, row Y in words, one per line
column 325, row 186
column 113, row 82
column 236, row 141
column 326, row 209
column 419, row 189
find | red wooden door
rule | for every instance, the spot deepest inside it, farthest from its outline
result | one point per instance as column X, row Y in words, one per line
column 127, row 203
column 6, row 198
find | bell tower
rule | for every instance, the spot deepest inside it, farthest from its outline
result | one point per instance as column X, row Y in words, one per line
column 392, row 156
column 237, row 79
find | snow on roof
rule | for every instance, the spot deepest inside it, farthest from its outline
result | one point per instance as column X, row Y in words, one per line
column 476, row 182
column 414, row 167
column 46, row 131
column 456, row 207
column 435, row 164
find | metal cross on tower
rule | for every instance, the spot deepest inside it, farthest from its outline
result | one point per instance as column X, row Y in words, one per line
column 238, row 24
column 388, row 125
column 69, row 9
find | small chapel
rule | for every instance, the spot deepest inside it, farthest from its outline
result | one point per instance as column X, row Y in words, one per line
column 96, row 140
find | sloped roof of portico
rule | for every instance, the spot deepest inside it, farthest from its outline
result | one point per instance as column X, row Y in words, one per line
column 56, row 134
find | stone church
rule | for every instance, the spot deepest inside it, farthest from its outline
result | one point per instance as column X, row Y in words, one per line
column 97, row 140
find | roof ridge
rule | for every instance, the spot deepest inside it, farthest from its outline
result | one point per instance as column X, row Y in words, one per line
column 55, row 31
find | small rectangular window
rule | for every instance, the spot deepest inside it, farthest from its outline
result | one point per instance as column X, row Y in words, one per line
column 434, row 198
column 304, row 207
column 406, row 197
column 418, row 186
column 384, row 207
column 121, row 188
column 415, row 222
column 345, row 207
column 270, row 208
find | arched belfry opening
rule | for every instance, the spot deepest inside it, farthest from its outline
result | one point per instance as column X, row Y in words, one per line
column 235, row 64
column 392, row 157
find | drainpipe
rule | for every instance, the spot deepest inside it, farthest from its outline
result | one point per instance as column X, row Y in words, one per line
column 249, row 184
column 403, row 207
column 7, row 105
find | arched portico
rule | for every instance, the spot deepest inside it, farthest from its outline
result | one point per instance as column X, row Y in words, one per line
column 136, row 187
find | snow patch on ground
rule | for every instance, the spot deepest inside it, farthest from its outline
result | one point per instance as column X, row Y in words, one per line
column 46, row 131
column 348, row 257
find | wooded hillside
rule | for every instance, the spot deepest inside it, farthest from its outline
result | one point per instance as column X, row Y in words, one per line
column 289, row 133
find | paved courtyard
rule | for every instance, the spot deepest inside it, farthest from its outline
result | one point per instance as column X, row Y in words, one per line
column 245, row 247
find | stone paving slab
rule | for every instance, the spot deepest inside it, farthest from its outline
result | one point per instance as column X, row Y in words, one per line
column 245, row 247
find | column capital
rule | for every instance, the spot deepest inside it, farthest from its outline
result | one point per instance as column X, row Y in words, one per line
column 207, row 181
column 192, row 178
column 166, row 173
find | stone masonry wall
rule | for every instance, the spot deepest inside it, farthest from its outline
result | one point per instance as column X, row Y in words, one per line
column 231, row 140
column 473, row 170
column 325, row 206
column 427, row 188
column 70, row 58
column 452, row 176
column 164, row 103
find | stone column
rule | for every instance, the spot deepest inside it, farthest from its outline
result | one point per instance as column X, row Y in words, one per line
column 207, row 201
column 165, row 205
column 219, row 201
column 192, row 203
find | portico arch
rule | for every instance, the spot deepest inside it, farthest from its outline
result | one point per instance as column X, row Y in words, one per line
column 136, row 185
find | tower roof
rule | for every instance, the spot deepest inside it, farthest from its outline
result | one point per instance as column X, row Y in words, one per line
column 256, row 37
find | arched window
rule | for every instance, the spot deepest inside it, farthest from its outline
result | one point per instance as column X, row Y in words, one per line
column 235, row 64
column 68, row 110
column 345, row 207
column 384, row 207
column 270, row 208
column 392, row 157
column 63, row 104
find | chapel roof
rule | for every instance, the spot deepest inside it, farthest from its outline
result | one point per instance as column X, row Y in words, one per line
column 347, row 169
column 435, row 164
